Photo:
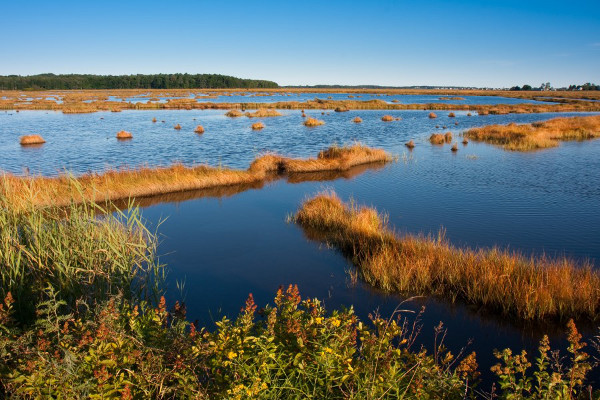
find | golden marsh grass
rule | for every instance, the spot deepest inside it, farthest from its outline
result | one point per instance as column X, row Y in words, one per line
column 124, row 135
column 538, row 135
column 31, row 140
column 505, row 282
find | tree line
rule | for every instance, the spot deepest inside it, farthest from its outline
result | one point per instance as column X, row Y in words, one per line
column 139, row 81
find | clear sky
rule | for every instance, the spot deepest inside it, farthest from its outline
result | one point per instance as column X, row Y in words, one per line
column 468, row 43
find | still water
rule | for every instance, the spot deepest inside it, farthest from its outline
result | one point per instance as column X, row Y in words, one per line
column 224, row 244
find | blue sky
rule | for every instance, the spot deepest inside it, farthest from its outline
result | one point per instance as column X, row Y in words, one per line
column 470, row 43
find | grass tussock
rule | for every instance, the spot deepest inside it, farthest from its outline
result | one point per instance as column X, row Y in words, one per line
column 263, row 113
column 124, row 135
column 199, row 129
column 357, row 120
column 432, row 115
column 310, row 121
column 505, row 282
column 451, row 115
column 387, row 118
column 437, row 138
column 31, row 140
column 154, row 119
column 177, row 127
column 258, row 126
column 448, row 137
column 143, row 182
column 234, row 113
column 410, row 144
column 539, row 135
column 454, row 147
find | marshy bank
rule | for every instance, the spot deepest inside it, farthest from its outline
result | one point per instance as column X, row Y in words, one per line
column 501, row 281
column 538, row 135
column 144, row 182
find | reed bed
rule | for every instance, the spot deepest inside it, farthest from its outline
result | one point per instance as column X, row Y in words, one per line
column 310, row 121
column 124, row 135
column 80, row 256
column 258, row 126
column 143, row 182
column 493, row 279
column 539, row 135
column 31, row 140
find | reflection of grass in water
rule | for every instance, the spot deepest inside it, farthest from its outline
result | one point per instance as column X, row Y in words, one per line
column 501, row 281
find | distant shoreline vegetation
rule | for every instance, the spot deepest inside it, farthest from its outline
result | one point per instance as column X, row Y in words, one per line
column 154, row 81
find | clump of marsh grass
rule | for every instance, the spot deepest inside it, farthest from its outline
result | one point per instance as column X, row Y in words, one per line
column 264, row 112
column 432, row 115
column 451, row 115
column 199, row 129
column 469, row 114
column 257, row 126
column 539, row 135
column 448, row 137
column 437, row 138
column 454, row 147
column 341, row 109
column 313, row 122
column 387, row 118
column 410, row 144
column 31, row 140
column 234, row 114
column 154, row 119
column 177, row 127
column 124, row 135
column 465, row 140
column 357, row 120
column 501, row 281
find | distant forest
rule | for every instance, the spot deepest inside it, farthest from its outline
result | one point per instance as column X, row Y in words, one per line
column 156, row 81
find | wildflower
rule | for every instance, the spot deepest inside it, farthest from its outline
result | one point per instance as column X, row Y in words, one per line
column 318, row 320
column 335, row 322
column 231, row 355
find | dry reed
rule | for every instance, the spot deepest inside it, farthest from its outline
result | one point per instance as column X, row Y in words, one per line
column 234, row 113
column 437, row 138
column 264, row 112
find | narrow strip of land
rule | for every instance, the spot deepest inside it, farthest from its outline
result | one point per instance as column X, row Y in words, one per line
column 143, row 182
column 538, row 135
column 496, row 280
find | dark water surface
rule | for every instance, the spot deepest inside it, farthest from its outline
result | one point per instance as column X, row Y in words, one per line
column 227, row 243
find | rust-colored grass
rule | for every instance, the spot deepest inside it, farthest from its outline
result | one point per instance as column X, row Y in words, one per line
column 310, row 121
column 177, row 127
column 387, row 118
column 264, row 112
column 142, row 182
column 451, row 115
column 432, row 115
column 258, row 126
column 495, row 280
column 437, row 138
column 124, row 135
column 357, row 120
column 234, row 113
column 30, row 140
column 448, row 137
column 539, row 135
column 410, row 144
column 199, row 129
